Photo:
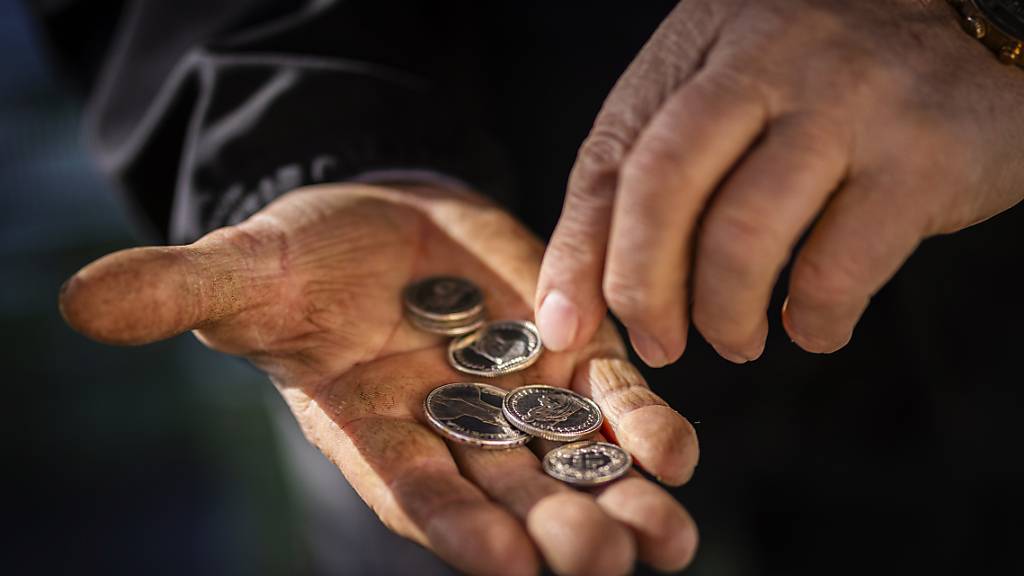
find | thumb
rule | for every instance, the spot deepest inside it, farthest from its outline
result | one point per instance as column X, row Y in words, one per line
column 142, row 295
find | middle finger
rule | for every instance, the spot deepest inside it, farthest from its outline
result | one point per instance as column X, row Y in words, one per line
column 675, row 165
column 572, row 533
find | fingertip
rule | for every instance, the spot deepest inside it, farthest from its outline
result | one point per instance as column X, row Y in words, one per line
column 652, row 351
column 663, row 442
column 126, row 298
column 666, row 535
column 799, row 325
column 66, row 304
column 86, row 302
column 558, row 320
column 578, row 538
column 753, row 354
column 482, row 539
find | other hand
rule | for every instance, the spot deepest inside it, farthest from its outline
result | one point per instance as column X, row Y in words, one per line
column 742, row 125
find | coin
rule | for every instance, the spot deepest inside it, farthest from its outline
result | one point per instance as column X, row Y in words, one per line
column 471, row 413
column 552, row 413
column 444, row 299
column 587, row 463
column 497, row 348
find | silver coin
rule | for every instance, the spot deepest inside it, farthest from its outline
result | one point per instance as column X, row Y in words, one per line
column 552, row 413
column 470, row 413
column 587, row 463
column 443, row 299
column 497, row 348
column 457, row 328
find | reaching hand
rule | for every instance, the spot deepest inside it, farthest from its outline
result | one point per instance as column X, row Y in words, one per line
column 309, row 290
column 741, row 125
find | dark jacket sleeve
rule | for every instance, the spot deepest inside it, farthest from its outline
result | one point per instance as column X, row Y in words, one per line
column 203, row 111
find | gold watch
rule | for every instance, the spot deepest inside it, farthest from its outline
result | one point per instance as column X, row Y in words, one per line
column 999, row 24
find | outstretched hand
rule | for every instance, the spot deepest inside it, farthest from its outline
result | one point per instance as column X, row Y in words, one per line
column 309, row 290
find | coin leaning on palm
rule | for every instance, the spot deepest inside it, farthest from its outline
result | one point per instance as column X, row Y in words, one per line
column 309, row 290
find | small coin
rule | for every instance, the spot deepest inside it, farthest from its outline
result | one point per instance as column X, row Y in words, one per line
column 443, row 299
column 497, row 348
column 470, row 413
column 587, row 463
column 552, row 413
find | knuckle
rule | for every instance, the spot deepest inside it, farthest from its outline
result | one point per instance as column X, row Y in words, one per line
column 603, row 150
column 572, row 250
column 814, row 140
column 655, row 155
column 591, row 186
column 737, row 241
column 822, row 283
column 628, row 299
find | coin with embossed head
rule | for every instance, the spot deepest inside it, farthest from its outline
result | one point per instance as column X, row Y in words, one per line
column 471, row 413
column 552, row 413
column 587, row 463
column 497, row 348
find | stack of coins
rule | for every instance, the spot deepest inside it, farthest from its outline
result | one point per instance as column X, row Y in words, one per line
column 488, row 417
column 444, row 305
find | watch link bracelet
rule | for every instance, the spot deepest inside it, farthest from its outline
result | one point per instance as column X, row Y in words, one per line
column 998, row 24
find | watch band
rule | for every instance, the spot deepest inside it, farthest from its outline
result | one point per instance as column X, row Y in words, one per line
column 999, row 24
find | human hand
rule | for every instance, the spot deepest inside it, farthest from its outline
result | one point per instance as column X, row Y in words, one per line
column 742, row 125
column 309, row 290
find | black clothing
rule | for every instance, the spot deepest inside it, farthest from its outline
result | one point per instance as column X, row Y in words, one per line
column 894, row 454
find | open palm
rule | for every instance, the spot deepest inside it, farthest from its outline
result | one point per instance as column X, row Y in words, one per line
column 309, row 289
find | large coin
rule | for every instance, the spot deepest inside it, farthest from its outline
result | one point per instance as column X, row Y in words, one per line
column 587, row 463
column 497, row 348
column 552, row 413
column 443, row 299
column 471, row 413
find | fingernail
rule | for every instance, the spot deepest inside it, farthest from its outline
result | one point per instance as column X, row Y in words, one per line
column 810, row 340
column 558, row 320
column 648, row 348
column 734, row 358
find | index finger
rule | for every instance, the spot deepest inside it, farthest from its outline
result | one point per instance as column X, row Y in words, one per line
column 568, row 303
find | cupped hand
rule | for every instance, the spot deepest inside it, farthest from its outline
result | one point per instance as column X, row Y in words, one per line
column 742, row 125
column 309, row 289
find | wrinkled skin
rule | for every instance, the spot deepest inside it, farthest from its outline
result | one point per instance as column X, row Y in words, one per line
column 309, row 290
column 741, row 126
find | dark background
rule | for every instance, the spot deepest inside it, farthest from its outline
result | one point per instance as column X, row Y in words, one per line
column 897, row 454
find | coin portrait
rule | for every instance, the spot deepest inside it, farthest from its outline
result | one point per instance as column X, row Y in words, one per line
column 443, row 298
column 497, row 348
column 587, row 463
column 470, row 412
column 552, row 413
